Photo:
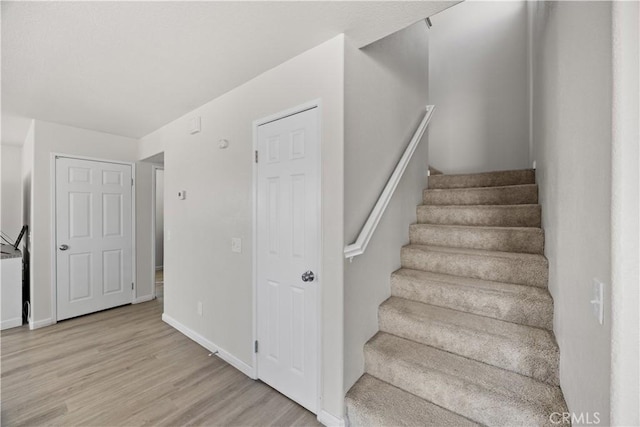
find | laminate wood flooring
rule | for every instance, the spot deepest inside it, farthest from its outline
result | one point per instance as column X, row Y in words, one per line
column 125, row 366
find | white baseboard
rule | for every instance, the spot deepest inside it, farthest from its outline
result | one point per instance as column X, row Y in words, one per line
column 223, row 354
column 330, row 420
column 11, row 323
column 37, row 324
column 143, row 298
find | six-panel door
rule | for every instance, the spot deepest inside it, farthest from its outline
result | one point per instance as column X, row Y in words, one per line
column 93, row 236
column 287, row 248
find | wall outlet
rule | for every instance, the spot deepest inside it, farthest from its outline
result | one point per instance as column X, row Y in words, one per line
column 236, row 245
column 597, row 300
column 182, row 194
column 199, row 308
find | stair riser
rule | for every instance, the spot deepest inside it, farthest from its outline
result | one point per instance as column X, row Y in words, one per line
column 529, row 360
column 506, row 240
column 505, row 270
column 452, row 394
column 497, row 305
column 493, row 216
column 486, row 196
column 493, row 179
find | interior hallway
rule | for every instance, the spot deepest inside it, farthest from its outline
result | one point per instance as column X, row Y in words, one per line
column 125, row 366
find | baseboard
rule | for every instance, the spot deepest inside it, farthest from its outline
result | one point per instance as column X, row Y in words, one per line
column 41, row 323
column 221, row 353
column 11, row 323
column 330, row 420
column 144, row 298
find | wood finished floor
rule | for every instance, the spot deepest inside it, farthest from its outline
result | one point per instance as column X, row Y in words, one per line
column 125, row 366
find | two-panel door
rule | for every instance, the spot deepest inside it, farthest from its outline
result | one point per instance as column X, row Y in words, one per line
column 94, row 260
column 288, row 245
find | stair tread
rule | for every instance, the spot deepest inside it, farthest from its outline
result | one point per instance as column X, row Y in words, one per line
column 506, row 215
column 480, row 174
column 479, row 189
column 526, row 305
column 516, row 206
column 387, row 405
column 487, row 391
column 476, row 252
column 533, row 230
column 509, row 239
column 523, row 291
column 522, row 335
column 484, row 179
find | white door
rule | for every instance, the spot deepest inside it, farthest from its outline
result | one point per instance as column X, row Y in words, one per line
column 94, row 267
column 288, row 247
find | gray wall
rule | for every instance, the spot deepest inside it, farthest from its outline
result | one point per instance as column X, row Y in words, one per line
column 159, row 218
column 478, row 83
column 572, row 147
column 386, row 87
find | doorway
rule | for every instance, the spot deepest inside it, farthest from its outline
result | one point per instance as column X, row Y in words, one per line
column 93, row 216
column 158, row 228
column 288, row 254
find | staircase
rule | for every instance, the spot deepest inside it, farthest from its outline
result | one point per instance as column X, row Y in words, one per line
column 465, row 338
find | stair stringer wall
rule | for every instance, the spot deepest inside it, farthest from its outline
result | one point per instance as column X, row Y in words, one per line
column 386, row 91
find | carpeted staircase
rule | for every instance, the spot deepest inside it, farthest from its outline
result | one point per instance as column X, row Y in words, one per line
column 465, row 338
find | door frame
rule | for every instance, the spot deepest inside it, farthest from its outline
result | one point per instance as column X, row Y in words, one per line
column 154, row 170
column 54, row 246
column 317, row 104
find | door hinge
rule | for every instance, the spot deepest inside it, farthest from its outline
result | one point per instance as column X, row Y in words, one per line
column 255, row 346
column 256, row 153
column 132, row 182
column 131, row 285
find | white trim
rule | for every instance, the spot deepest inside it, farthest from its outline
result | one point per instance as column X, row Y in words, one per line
column 54, row 247
column 212, row 347
column 54, row 251
column 37, row 324
column 360, row 245
column 330, row 420
column 11, row 323
column 154, row 268
column 316, row 103
column 142, row 299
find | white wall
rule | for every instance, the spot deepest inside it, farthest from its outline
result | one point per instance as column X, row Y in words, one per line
column 625, row 216
column 386, row 87
column 51, row 138
column 478, row 83
column 11, row 177
column 572, row 147
column 199, row 264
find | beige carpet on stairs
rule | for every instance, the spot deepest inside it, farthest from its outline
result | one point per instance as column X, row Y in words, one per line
column 466, row 338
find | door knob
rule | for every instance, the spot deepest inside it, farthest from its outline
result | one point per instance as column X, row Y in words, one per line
column 63, row 247
column 308, row 276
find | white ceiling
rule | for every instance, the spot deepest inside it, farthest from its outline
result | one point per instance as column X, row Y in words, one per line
column 128, row 68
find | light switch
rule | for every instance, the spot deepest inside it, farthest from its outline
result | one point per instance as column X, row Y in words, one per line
column 195, row 125
column 236, row 245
